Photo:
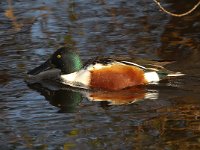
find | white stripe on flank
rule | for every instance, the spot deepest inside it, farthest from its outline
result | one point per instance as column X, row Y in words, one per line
column 151, row 77
column 134, row 64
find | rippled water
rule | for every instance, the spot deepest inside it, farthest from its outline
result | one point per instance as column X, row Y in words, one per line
column 164, row 116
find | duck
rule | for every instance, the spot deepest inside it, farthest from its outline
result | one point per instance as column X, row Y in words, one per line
column 104, row 73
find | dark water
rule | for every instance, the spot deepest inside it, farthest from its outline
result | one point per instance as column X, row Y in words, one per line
column 33, row 117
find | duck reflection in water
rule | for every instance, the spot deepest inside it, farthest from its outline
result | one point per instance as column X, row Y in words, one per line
column 68, row 99
column 123, row 97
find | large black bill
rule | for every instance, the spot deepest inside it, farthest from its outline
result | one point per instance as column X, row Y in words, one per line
column 43, row 67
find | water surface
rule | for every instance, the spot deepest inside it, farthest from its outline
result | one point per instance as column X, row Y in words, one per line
column 34, row 117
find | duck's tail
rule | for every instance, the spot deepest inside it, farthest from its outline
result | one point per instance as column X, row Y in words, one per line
column 175, row 74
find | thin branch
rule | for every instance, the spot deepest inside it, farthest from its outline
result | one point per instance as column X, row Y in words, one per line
column 174, row 14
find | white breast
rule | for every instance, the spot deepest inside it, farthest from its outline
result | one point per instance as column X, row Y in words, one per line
column 77, row 79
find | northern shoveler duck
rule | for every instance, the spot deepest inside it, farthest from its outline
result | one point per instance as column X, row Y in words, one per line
column 100, row 73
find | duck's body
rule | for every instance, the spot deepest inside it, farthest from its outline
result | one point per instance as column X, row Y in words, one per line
column 105, row 73
column 113, row 75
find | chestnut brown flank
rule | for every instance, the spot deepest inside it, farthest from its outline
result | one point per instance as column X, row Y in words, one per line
column 117, row 77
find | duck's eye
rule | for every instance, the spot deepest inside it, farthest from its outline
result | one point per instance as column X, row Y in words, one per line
column 59, row 56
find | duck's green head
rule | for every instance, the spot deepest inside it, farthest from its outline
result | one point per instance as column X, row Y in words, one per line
column 65, row 59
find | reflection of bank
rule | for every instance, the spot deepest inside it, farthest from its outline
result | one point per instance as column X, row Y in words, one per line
column 68, row 99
